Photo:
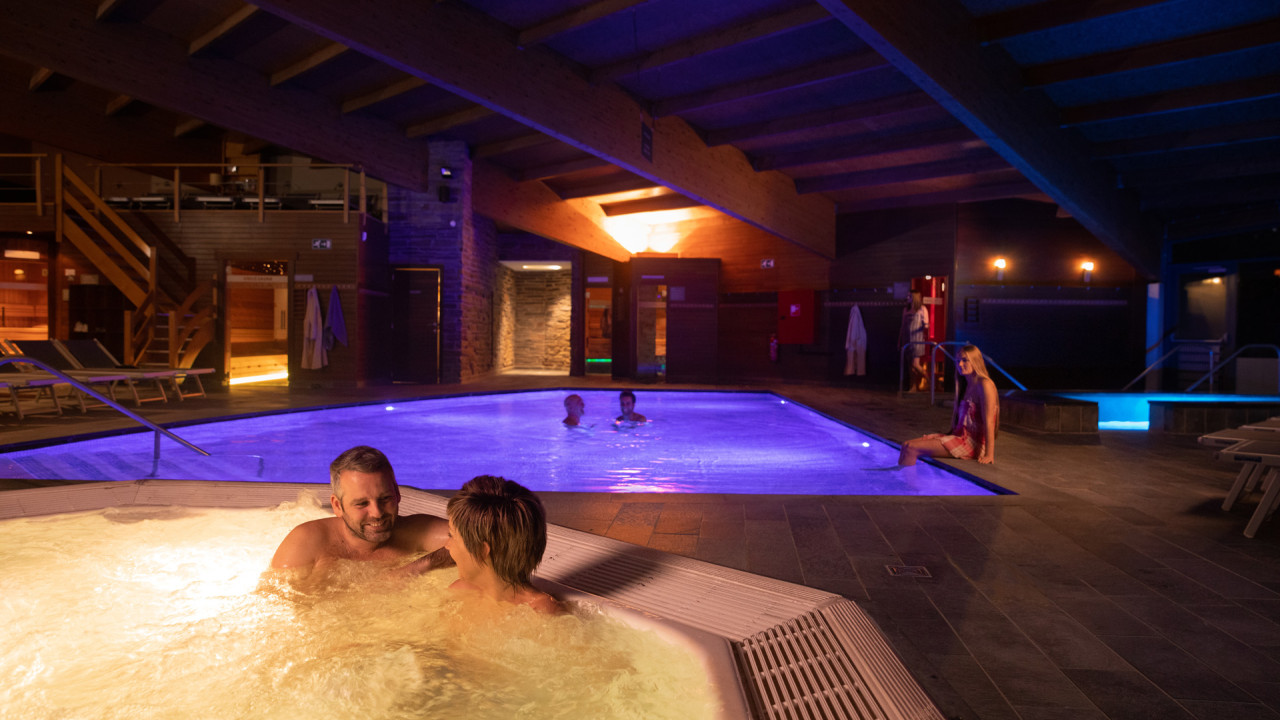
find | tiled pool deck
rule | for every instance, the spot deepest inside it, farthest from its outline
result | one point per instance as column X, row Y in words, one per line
column 1111, row 586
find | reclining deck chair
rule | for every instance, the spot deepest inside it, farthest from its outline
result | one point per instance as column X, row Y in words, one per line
column 48, row 352
column 14, row 382
column 90, row 353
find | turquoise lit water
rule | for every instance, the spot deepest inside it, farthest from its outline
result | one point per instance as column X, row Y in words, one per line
column 1130, row 411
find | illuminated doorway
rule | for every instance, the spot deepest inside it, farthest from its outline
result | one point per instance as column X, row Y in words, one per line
column 256, row 322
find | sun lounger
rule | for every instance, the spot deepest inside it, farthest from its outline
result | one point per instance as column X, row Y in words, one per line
column 1266, row 455
column 49, row 354
column 14, row 383
column 92, row 354
column 1251, row 473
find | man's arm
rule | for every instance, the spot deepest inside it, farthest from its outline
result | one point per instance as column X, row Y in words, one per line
column 439, row 558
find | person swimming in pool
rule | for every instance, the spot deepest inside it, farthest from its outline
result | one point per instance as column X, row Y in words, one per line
column 627, row 402
column 366, row 525
column 574, row 409
column 497, row 535
column 975, row 419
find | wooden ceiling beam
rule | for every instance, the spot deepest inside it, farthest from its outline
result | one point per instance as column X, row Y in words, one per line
column 711, row 42
column 188, row 126
column 133, row 59
column 942, row 53
column 117, row 104
column 107, row 8
column 604, row 186
column 1211, row 137
column 1236, row 191
column 220, row 29
column 39, row 77
column 976, row 193
column 442, row 123
column 559, row 169
column 383, row 93
column 572, row 20
column 502, row 147
column 864, row 146
column 534, row 208
column 652, row 204
column 471, row 55
column 907, row 108
column 67, row 121
column 1265, row 163
column 308, row 63
column 778, row 82
column 1155, row 54
column 1257, row 88
column 1052, row 14
column 969, row 165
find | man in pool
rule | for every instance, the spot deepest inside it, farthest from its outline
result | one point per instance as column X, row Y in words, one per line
column 627, row 402
column 366, row 526
column 574, row 409
column 497, row 534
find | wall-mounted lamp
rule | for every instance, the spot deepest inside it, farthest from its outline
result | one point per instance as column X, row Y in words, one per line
column 1000, row 264
column 446, row 172
column 1086, row 269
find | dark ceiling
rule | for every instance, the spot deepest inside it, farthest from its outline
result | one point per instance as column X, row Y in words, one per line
column 1144, row 119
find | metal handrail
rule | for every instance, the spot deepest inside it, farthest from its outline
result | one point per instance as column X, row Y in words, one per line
column 9, row 359
column 1178, row 345
column 902, row 358
column 1214, row 368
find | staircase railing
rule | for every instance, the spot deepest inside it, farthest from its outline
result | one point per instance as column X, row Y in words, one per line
column 1214, row 368
column 137, row 274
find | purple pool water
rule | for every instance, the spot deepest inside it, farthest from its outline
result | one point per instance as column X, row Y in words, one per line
column 696, row 442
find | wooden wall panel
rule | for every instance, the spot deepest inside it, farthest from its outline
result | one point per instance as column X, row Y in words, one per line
column 741, row 248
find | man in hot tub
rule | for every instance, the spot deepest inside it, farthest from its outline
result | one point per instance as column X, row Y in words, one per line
column 366, row 526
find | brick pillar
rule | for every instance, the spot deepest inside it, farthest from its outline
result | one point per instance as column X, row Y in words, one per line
column 435, row 227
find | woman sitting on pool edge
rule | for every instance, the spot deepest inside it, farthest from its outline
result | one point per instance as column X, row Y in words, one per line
column 497, row 534
column 973, row 422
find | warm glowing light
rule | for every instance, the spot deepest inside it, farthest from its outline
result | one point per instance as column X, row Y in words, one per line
column 283, row 375
column 656, row 231
column 1216, row 280
column 539, row 267
column 1001, row 263
column 1087, row 266
column 22, row 254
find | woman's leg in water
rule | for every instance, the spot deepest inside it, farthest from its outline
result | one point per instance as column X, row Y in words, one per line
column 913, row 450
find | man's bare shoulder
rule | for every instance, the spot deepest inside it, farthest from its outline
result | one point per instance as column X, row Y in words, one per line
column 421, row 532
column 305, row 544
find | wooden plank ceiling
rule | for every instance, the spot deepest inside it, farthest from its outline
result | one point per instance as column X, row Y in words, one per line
column 1132, row 115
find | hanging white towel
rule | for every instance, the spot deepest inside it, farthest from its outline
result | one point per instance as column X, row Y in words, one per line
column 313, row 354
column 855, row 345
column 335, row 328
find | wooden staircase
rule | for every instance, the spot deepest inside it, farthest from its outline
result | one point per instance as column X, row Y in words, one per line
column 172, row 318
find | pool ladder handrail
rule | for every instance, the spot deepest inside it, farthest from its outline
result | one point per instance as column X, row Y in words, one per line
column 9, row 359
column 1179, row 346
column 902, row 359
column 1215, row 368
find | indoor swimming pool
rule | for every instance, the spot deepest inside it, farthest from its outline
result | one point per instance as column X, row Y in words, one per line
column 695, row 442
column 1131, row 411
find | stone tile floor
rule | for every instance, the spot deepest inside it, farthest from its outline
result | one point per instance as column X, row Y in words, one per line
column 1111, row 585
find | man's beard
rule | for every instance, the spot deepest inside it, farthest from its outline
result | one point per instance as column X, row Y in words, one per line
column 368, row 534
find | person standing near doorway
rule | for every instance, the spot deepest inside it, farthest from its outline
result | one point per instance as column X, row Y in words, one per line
column 915, row 330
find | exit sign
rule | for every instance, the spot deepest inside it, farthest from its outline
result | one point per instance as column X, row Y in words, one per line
column 321, row 243
column 766, row 264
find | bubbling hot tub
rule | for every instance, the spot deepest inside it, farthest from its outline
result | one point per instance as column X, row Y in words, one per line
column 768, row 648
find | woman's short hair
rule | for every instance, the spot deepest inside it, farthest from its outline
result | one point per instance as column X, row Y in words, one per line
column 360, row 458
column 507, row 516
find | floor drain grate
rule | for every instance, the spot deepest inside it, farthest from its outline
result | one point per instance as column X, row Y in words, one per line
column 908, row 570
